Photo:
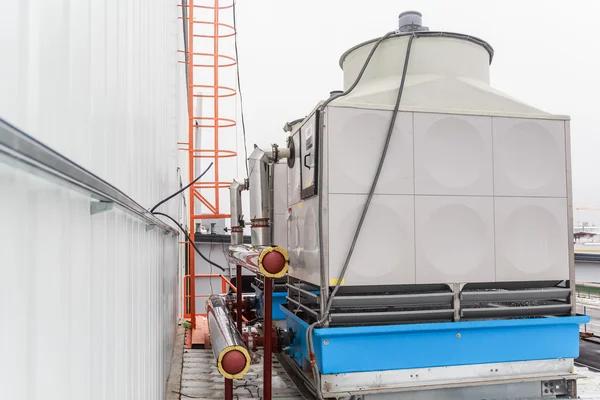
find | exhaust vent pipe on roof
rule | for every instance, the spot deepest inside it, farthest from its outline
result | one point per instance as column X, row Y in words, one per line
column 411, row 21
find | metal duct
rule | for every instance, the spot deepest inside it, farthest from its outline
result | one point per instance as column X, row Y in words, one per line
column 259, row 198
column 272, row 262
column 233, row 359
column 235, row 198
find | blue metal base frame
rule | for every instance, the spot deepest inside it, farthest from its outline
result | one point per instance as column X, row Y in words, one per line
column 279, row 298
column 389, row 347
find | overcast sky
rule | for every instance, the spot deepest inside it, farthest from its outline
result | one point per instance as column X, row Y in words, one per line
column 546, row 54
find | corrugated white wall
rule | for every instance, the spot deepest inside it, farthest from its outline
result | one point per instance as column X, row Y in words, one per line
column 88, row 303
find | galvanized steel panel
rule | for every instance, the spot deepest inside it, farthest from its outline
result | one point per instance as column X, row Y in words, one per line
column 88, row 303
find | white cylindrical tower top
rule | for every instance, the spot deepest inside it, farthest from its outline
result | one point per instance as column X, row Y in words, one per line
column 447, row 72
column 440, row 54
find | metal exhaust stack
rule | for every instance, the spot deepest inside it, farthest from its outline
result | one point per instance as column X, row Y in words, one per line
column 258, row 183
column 260, row 257
column 411, row 21
column 235, row 195
column 233, row 359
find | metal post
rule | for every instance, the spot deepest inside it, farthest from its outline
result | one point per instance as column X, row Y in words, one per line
column 228, row 389
column 238, row 286
column 456, row 289
column 268, row 331
column 585, row 313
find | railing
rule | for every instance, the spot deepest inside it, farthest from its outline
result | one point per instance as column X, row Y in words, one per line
column 225, row 283
column 18, row 147
column 588, row 290
column 588, row 295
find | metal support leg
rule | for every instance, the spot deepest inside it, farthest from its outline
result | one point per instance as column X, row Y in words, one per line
column 268, row 331
column 238, row 286
column 228, row 389
column 456, row 288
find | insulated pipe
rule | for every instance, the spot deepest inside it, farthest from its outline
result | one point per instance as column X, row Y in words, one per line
column 258, row 183
column 271, row 262
column 233, row 359
column 235, row 199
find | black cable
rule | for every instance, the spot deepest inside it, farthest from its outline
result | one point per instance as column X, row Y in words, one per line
column 247, row 387
column 378, row 173
column 210, row 269
column 361, row 73
column 181, row 190
column 187, row 395
column 237, row 72
column 184, row 19
column 320, row 170
column 190, row 240
column 324, row 317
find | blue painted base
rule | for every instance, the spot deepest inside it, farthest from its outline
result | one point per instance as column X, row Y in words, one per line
column 279, row 298
column 388, row 347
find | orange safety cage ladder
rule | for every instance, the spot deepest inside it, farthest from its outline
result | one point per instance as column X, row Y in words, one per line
column 206, row 31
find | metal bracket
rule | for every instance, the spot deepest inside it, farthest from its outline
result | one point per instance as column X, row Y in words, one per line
column 149, row 227
column 456, row 288
column 559, row 387
column 97, row 207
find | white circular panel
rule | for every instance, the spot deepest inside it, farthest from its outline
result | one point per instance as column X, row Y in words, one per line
column 454, row 153
column 455, row 240
column 530, row 158
column 362, row 144
column 533, row 239
column 387, row 225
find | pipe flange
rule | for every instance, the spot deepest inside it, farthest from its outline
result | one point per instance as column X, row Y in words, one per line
column 273, row 262
column 232, row 369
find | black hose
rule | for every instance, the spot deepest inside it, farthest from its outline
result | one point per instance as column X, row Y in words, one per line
column 190, row 240
column 239, row 86
column 377, row 174
column 181, row 190
column 325, row 315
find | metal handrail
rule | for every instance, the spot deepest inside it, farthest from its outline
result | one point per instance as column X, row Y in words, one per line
column 23, row 148
column 225, row 283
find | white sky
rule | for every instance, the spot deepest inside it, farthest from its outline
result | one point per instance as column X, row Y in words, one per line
column 546, row 54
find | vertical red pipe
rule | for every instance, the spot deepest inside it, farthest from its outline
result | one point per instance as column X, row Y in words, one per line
column 268, row 331
column 228, row 389
column 238, row 286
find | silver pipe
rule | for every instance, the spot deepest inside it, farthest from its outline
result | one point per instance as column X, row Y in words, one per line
column 233, row 359
column 272, row 262
column 259, row 198
column 235, row 198
column 272, row 199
